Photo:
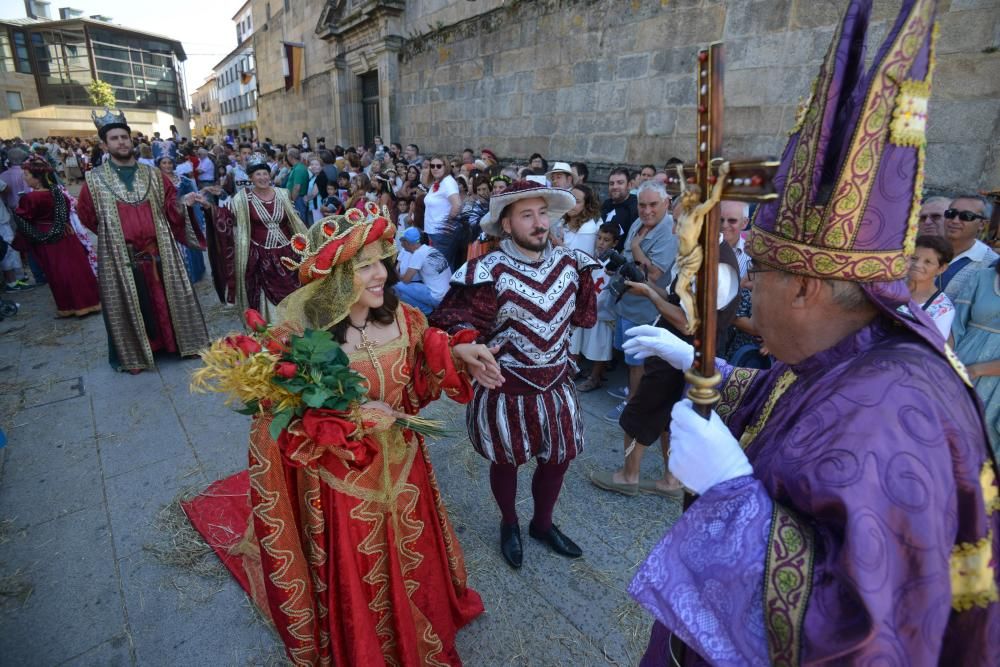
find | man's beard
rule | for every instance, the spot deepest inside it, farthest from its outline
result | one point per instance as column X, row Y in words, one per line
column 124, row 153
column 528, row 242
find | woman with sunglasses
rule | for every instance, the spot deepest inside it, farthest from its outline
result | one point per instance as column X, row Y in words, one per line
column 442, row 203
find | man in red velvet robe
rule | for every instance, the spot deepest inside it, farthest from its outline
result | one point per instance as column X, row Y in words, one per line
column 149, row 304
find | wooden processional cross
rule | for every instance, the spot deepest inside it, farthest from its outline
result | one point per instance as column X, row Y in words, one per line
column 747, row 181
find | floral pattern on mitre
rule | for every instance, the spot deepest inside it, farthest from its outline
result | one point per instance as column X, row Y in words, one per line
column 824, row 262
column 319, row 432
column 909, row 116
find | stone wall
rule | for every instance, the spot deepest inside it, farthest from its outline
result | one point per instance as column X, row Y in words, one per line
column 283, row 115
column 18, row 83
column 611, row 82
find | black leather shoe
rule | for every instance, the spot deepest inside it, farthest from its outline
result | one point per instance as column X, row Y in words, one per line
column 558, row 542
column 510, row 544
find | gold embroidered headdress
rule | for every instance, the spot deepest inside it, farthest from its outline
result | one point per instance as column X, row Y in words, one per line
column 852, row 172
column 329, row 257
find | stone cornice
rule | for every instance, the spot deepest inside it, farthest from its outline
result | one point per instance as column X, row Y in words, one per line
column 340, row 18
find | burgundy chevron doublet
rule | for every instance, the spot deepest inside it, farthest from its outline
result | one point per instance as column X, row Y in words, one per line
column 536, row 412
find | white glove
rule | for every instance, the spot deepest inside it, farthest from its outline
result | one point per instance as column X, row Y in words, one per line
column 649, row 341
column 703, row 452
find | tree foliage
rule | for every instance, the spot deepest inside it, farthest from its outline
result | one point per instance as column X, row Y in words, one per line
column 101, row 94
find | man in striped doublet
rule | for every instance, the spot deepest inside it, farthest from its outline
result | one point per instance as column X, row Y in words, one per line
column 523, row 300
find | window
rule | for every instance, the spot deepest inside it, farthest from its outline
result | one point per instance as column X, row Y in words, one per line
column 267, row 11
column 142, row 71
column 286, row 5
column 21, row 58
column 6, row 54
column 14, row 102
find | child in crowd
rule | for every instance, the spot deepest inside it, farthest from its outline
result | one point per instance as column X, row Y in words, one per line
column 332, row 204
column 596, row 341
column 403, row 210
column 343, row 186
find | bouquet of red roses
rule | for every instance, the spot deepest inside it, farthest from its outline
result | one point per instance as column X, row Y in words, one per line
column 306, row 385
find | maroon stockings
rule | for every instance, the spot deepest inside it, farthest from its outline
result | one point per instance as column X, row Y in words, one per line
column 545, row 486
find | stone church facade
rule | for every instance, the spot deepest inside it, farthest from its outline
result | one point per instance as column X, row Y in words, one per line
column 604, row 81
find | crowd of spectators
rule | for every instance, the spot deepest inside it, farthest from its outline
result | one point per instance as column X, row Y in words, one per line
column 438, row 202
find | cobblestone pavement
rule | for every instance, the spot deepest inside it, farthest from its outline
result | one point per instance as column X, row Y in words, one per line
column 90, row 573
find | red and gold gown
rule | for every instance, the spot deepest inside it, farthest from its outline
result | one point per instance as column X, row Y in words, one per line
column 65, row 263
column 355, row 566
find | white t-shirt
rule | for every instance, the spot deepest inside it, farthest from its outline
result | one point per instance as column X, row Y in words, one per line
column 436, row 205
column 942, row 312
column 206, row 170
column 433, row 268
column 402, row 258
column 584, row 239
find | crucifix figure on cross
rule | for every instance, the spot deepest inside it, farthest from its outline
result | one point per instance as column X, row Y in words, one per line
column 690, row 222
column 702, row 185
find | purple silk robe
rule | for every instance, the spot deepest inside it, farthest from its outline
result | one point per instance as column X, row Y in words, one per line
column 873, row 491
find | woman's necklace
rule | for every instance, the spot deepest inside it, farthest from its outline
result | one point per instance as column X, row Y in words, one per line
column 366, row 343
column 270, row 219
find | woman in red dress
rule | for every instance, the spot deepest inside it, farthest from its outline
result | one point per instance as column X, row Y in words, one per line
column 42, row 219
column 356, row 561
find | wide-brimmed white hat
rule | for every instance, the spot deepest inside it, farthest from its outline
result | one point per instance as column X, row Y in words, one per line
column 559, row 168
column 558, row 200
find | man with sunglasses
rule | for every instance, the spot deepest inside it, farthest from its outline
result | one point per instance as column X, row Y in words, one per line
column 963, row 223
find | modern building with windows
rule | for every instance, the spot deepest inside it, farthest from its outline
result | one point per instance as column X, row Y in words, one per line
column 49, row 64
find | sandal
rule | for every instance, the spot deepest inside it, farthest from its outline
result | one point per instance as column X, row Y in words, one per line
column 590, row 384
